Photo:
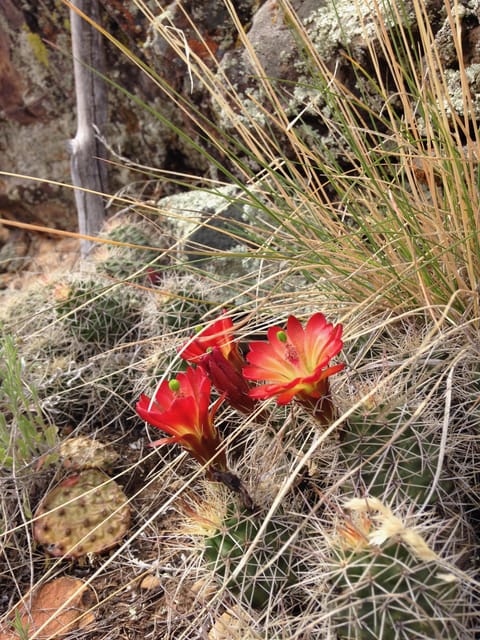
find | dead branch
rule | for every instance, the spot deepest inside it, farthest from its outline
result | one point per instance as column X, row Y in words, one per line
column 88, row 168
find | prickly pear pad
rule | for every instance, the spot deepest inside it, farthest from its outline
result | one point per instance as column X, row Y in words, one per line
column 86, row 513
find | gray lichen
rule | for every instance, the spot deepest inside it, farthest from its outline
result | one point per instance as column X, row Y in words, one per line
column 457, row 99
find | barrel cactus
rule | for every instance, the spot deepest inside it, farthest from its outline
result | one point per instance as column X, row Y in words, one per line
column 395, row 451
column 99, row 314
column 139, row 248
column 387, row 582
column 264, row 574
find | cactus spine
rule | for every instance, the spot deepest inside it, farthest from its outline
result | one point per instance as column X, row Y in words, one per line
column 390, row 584
column 260, row 578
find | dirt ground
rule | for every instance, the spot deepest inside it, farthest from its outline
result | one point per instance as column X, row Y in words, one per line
column 26, row 255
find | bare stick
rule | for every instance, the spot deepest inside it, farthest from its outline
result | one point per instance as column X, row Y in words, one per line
column 87, row 152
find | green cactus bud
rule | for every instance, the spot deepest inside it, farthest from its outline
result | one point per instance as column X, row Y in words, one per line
column 86, row 513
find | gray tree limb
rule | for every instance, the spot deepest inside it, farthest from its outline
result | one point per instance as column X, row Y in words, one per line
column 88, row 168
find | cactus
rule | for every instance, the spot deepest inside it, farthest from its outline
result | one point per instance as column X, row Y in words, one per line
column 123, row 262
column 389, row 583
column 98, row 315
column 82, row 452
column 398, row 450
column 86, row 513
column 67, row 343
column 258, row 581
column 186, row 307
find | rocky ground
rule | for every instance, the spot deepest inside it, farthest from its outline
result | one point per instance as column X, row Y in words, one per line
column 24, row 257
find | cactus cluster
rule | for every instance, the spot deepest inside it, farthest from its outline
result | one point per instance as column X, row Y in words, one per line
column 263, row 574
column 85, row 513
column 390, row 448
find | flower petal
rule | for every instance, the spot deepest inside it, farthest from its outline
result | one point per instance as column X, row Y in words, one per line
column 185, row 415
column 294, row 361
column 217, row 334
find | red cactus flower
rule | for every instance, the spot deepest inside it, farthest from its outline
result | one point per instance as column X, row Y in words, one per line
column 181, row 409
column 294, row 362
column 228, row 381
column 219, row 335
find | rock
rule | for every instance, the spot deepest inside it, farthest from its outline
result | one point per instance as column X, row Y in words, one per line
column 37, row 104
column 150, row 582
column 204, row 223
column 46, row 614
column 337, row 34
column 36, row 83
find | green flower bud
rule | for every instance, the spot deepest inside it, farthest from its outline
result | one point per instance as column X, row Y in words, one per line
column 174, row 385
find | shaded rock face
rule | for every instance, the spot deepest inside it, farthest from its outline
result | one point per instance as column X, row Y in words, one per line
column 337, row 36
column 36, row 116
column 36, row 81
column 15, row 104
column 206, row 28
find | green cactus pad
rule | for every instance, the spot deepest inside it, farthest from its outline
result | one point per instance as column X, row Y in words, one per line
column 256, row 582
column 86, row 513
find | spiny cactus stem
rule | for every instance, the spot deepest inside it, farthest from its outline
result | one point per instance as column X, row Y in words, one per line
column 234, row 483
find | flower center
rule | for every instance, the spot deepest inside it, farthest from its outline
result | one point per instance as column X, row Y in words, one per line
column 291, row 353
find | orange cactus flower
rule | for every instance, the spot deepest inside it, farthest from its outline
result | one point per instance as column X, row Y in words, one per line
column 294, row 361
column 219, row 335
column 181, row 409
